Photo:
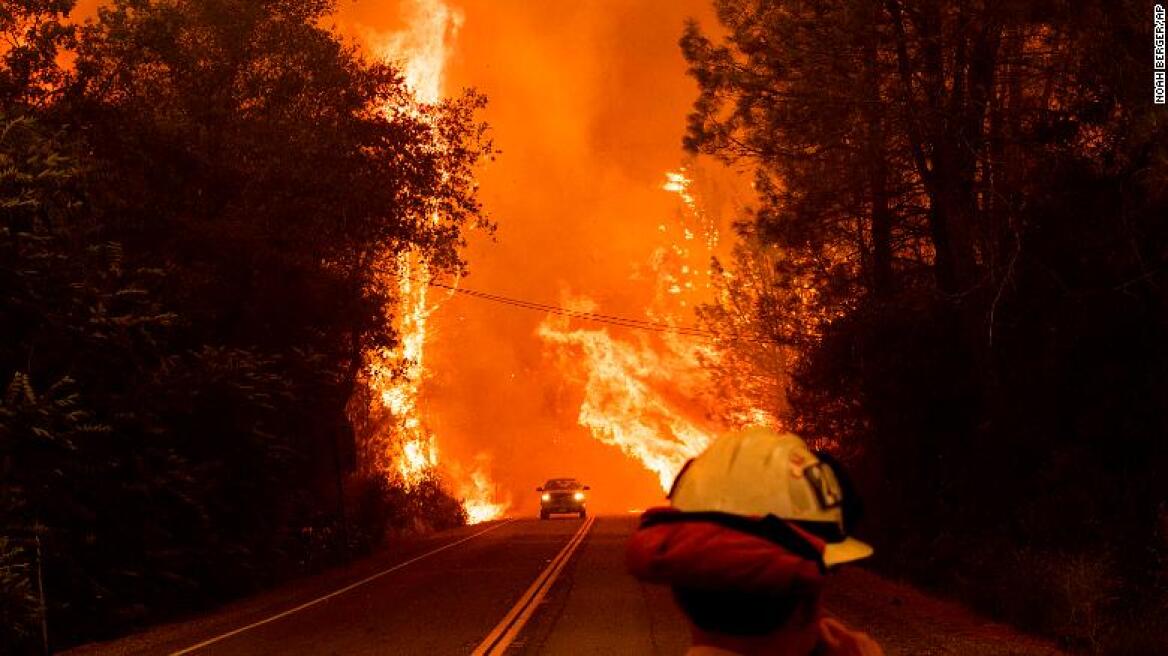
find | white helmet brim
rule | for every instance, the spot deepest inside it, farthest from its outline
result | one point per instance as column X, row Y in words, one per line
column 851, row 549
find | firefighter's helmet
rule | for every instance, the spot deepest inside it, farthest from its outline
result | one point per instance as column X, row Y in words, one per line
column 758, row 472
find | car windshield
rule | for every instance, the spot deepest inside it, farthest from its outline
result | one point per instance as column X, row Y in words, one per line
column 562, row 484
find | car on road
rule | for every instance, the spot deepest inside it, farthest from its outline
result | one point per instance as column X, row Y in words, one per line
column 562, row 496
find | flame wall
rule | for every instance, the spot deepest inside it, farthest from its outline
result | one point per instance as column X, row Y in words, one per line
column 588, row 104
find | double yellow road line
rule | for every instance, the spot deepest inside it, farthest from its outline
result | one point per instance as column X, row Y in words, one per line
column 496, row 642
column 501, row 637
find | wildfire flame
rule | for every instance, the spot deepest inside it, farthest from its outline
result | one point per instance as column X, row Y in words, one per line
column 480, row 496
column 647, row 393
column 650, row 395
column 627, row 402
column 424, row 47
column 418, row 452
column 422, row 51
column 679, row 183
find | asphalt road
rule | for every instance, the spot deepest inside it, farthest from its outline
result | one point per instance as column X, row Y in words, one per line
column 528, row 587
column 445, row 596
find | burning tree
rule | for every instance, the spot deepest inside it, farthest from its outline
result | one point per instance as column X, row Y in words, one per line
column 396, row 441
column 649, row 391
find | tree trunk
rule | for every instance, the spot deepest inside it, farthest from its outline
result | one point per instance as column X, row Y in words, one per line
column 947, row 132
column 877, row 164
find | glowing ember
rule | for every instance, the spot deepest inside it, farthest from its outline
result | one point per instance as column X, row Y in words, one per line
column 679, row 183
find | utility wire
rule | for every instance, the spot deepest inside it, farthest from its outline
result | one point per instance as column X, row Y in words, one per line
column 626, row 322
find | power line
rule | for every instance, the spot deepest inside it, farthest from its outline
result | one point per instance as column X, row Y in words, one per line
column 625, row 322
column 579, row 314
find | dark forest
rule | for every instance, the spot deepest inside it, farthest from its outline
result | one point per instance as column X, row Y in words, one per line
column 961, row 242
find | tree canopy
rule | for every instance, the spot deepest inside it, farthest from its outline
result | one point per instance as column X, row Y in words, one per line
column 197, row 203
column 959, row 247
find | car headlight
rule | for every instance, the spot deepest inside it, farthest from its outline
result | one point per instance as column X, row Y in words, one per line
column 579, row 496
column 546, row 497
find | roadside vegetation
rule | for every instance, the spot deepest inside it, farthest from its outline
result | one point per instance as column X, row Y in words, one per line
column 960, row 252
column 195, row 198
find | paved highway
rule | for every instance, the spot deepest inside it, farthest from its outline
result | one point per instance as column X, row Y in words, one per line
column 527, row 587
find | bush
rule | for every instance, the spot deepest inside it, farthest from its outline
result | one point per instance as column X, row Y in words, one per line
column 19, row 604
column 379, row 507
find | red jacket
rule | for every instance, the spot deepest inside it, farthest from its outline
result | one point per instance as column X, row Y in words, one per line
column 670, row 550
column 702, row 554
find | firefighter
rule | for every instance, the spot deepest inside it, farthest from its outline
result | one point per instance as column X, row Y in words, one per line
column 754, row 523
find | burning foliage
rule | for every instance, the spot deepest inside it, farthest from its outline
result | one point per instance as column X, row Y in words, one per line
column 401, row 445
column 651, row 393
column 635, row 394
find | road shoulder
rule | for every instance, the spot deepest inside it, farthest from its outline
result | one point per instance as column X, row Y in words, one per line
column 906, row 620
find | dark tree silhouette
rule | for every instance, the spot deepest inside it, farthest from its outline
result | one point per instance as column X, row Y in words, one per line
column 192, row 218
column 960, row 249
